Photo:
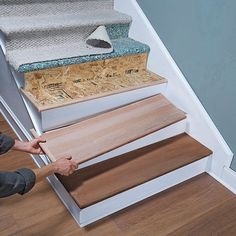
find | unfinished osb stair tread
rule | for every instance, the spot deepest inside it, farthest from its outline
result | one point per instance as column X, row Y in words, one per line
column 65, row 85
column 100, row 134
column 108, row 178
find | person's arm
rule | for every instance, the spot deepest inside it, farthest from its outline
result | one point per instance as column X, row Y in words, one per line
column 6, row 143
column 32, row 147
column 23, row 180
column 20, row 181
column 64, row 166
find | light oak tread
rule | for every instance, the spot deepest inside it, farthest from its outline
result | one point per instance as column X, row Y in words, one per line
column 100, row 134
column 108, row 178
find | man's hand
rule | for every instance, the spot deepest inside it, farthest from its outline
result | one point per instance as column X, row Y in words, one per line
column 31, row 147
column 65, row 166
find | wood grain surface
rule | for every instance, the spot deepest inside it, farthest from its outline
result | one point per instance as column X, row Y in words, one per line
column 105, row 179
column 100, row 134
column 200, row 206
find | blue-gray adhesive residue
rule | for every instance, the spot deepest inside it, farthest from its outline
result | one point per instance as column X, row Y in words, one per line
column 118, row 31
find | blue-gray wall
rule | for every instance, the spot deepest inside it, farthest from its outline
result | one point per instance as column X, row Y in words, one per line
column 201, row 37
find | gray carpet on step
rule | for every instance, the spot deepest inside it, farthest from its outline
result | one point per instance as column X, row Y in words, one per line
column 33, row 27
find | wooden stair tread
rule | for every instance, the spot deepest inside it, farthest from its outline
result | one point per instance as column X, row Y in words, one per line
column 108, row 178
column 100, row 134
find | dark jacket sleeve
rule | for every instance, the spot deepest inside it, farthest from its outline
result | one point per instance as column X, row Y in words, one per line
column 6, row 143
column 20, row 181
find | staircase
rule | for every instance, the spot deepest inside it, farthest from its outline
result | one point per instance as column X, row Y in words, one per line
column 104, row 107
column 106, row 179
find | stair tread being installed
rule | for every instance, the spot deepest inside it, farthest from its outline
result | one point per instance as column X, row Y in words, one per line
column 108, row 178
column 108, row 131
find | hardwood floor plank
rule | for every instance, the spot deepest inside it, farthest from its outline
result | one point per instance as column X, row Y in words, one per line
column 168, row 212
column 98, row 135
column 8, row 225
column 214, row 222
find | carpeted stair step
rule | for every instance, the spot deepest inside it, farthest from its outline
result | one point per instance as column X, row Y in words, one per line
column 98, row 182
column 31, row 39
column 24, row 26
column 46, row 7
column 20, row 58
column 103, row 133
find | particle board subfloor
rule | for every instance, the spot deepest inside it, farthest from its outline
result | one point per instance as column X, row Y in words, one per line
column 100, row 134
column 108, row 178
column 61, row 86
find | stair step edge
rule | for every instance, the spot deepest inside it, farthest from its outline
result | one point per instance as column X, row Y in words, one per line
column 132, row 169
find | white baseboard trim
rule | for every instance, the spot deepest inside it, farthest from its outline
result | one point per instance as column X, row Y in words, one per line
column 164, row 133
column 228, row 179
column 118, row 202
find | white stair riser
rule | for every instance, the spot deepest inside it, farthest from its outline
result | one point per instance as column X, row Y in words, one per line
column 107, row 207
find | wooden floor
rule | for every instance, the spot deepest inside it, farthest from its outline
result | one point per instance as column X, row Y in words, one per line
column 199, row 207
